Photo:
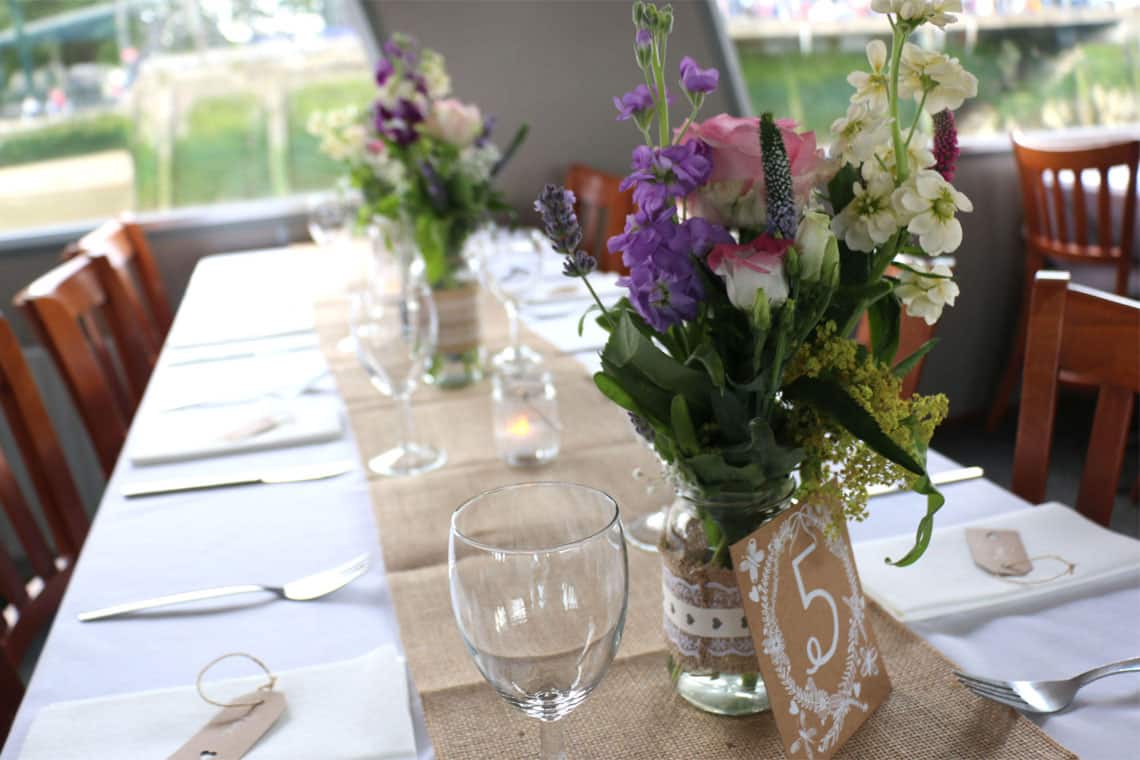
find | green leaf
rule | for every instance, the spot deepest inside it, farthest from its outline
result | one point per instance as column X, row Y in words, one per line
column 706, row 355
column 582, row 320
column 840, row 190
column 508, row 154
column 883, row 316
column 623, row 342
column 920, row 272
column 925, row 529
column 683, row 429
column 615, row 393
column 627, row 347
column 833, row 400
column 903, row 368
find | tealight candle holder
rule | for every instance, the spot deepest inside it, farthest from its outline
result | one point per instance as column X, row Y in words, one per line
column 524, row 409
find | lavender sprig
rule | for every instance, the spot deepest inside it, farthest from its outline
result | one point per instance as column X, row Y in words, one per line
column 556, row 206
column 436, row 190
column 777, row 179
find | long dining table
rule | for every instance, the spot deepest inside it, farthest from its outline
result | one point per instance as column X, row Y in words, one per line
column 252, row 312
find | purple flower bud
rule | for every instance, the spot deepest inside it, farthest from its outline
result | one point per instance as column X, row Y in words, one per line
column 643, row 39
column 634, row 103
column 695, row 79
column 945, row 144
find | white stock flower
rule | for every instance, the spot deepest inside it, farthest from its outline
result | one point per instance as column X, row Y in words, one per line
column 942, row 12
column 941, row 78
column 925, row 297
column 860, row 133
column 477, row 161
column 871, row 88
column 882, row 164
column 435, row 76
column 869, row 219
column 938, row 12
column 929, row 205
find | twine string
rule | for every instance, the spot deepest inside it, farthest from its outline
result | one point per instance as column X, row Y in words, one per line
column 267, row 686
column 1070, row 569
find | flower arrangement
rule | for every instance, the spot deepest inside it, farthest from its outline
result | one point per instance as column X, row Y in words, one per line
column 753, row 257
column 419, row 155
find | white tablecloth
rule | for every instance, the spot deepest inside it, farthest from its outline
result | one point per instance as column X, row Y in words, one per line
column 267, row 534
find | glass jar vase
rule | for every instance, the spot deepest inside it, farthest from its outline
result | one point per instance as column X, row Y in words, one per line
column 459, row 355
column 712, row 660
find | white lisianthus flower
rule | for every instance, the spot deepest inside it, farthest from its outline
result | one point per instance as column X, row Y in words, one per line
column 869, row 219
column 925, row 297
column 939, row 77
column 435, row 76
column 454, row 122
column 815, row 243
column 860, row 133
column 882, row 164
column 871, row 88
column 929, row 205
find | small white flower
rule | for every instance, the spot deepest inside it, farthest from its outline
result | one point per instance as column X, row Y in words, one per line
column 882, row 164
column 929, row 204
column 869, row 219
column 925, row 297
column 860, row 133
column 435, row 74
column 477, row 161
column 871, row 88
column 937, row 76
column 938, row 12
column 942, row 12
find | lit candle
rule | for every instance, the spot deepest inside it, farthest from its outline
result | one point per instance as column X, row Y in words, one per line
column 525, row 410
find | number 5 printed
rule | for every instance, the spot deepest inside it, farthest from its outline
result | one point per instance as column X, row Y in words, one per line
column 806, row 598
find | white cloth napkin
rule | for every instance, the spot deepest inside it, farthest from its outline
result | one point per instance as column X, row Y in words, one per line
column 201, row 432
column 946, row 580
column 349, row 710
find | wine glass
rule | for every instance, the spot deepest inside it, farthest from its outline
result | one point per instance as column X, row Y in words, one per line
column 331, row 219
column 511, row 265
column 539, row 584
column 395, row 326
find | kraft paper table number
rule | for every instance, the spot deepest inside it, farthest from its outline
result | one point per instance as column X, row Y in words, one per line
column 807, row 614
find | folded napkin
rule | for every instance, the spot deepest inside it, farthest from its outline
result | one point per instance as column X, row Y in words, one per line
column 350, row 710
column 217, row 431
column 946, row 580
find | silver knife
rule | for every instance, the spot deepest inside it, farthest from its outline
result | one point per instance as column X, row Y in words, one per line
column 285, row 475
column 938, row 479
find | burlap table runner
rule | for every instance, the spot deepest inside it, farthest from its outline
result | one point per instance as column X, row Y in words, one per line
column 634, row 712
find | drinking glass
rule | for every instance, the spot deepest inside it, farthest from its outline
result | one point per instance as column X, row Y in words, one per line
column 395, row 326
column 539, row 583
column 331, row 219
column 511, row 266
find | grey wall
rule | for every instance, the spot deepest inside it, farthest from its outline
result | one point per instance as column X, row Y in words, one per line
column 555, row 65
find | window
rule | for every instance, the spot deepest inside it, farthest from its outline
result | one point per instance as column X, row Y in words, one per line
column 143, row 105
column 1041, row 64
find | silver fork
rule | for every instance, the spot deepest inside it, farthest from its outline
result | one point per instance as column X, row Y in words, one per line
column 1042, row 696
column 300, row 590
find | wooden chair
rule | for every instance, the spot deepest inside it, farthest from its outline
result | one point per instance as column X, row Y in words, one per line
column 1049, row 237
column 69, row 309
column 602, row 209
column 33, row 587
column 1097, row 336
column 125, row 261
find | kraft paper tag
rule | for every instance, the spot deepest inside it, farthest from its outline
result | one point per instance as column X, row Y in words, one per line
column 255, row 427
column 232, row 732
column 808, row 619
column 998, row 552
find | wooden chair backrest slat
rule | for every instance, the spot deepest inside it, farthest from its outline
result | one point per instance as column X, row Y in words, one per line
column 63, row 306
column 1094, row 335
column 602, row 208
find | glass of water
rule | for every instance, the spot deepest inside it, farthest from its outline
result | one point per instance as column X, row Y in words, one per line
column 511, row 266
column 539, row 583
column 395, row 326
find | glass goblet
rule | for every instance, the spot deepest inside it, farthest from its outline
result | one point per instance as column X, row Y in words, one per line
column 330, row 218
column 539, row 585
column 395, row 327
column 511, row 265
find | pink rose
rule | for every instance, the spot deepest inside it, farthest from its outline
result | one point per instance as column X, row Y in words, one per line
column 735, row 193
column 454, row 122
column 752, row 267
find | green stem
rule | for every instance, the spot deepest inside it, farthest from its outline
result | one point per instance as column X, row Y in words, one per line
column 662, row 100
column 598, row 301
column 917, row 116
column 688, row 123
column 897, row 41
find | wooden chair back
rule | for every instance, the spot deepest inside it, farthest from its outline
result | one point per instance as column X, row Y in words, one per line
column 602, row 208
column 34, row 585
column 42, row 455
column 1059, row 229
column 1095, row 335
column 126, row 261
column 72, row 315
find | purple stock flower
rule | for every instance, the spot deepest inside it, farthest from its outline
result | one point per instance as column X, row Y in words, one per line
column 634, row 103
column 945, row 144
column 696, row 79
column 661, row 175
column 398, row 123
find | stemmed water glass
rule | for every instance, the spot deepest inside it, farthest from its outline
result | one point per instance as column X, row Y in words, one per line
column 395, row 327
column 331, row 218
column 511, row 265
column 539, row 584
